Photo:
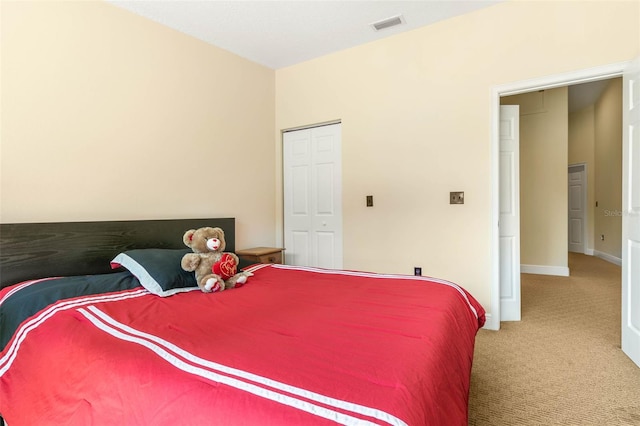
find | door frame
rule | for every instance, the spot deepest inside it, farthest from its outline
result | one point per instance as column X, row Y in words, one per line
column 585, row 194
column 549, row 82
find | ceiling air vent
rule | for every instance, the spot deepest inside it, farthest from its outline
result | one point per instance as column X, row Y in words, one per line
column 387, row 23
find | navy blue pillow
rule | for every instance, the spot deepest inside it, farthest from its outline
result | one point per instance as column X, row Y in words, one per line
column 158, row 270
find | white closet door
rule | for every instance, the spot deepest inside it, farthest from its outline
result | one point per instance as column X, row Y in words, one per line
column 313, row 196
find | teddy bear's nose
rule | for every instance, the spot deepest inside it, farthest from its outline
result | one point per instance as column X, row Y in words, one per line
column 213, row 243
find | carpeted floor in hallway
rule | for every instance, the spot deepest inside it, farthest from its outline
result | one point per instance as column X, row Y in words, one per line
column 562, row 364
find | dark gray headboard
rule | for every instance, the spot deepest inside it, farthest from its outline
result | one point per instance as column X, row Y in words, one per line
column 37, row 250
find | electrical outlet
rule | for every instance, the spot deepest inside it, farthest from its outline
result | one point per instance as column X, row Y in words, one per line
column 417, row 270
column 602, row 237
column 456, row 197
column 369, row 200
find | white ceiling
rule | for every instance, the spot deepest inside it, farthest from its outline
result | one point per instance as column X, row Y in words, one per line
column 585, row 94
column 278, row 33
column 282, row 33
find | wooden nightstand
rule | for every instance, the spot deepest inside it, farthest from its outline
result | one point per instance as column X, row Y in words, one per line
column 261, row 254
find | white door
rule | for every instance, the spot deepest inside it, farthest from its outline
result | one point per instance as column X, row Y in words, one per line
column 577, row 208
column 631, row 213
column 313, row 196
column 509, row 213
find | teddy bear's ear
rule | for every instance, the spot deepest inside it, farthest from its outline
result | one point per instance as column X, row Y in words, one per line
column 187, row 238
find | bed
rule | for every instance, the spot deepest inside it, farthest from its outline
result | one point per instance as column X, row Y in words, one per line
column 99, row 325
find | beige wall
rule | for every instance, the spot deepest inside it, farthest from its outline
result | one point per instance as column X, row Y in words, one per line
column 582, row 150
column 608, row 161
column 86, row 85
column 595, row 138
column 415, row 111
column 107, row 115
column 543, row 176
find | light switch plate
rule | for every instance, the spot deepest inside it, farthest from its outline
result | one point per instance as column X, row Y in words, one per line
column 456, row 197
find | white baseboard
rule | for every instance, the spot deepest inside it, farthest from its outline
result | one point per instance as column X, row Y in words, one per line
column 589, row 252
column 561, row 271
column 490, row 323
column 608, row 257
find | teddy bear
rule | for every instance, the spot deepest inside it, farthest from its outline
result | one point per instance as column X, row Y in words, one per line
column 215, row 269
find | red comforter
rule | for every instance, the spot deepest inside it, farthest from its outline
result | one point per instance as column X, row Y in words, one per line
column 294, row 346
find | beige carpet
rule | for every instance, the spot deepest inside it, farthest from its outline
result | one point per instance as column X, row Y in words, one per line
column 562, row 364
